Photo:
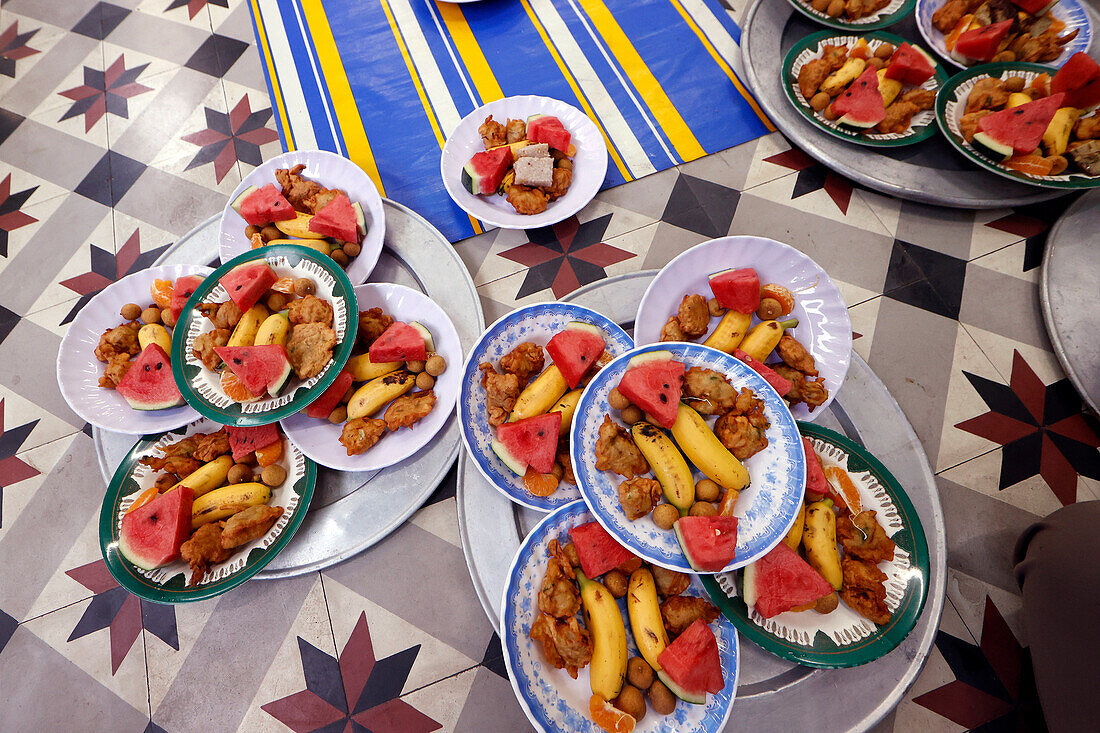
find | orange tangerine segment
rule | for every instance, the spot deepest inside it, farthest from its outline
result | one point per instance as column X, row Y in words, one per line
column 144, row 498
column 284, row 285
column 844, row 486
column 609, row 717
column 161, row 290
column 1032, row 165
column 234, row 388
column 540, row 484
column 269, row 454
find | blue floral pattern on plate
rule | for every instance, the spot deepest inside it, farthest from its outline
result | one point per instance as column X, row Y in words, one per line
column 536, row 323
column 552, row 700
column 766, row 509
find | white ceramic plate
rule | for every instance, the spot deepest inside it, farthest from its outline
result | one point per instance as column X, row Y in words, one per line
column 320, row 440
column 330, row 170
column 78, row 371
column 589, row 165
column 823, row 325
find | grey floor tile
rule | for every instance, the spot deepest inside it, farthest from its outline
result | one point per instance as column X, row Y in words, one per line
column 151, row 131
column 491, row 705
column 50, row 154
column 169, row 202
column 158, row 36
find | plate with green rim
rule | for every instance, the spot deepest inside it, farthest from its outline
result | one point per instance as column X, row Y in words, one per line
column 951, row 104
column 843, row 638
column 201, row 387
column 889, row 14
column 923, row 125
column 169, row 583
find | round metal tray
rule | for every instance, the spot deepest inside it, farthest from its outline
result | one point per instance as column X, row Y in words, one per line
column 773, row 695
column 1068, row 284
column 930, row 172
column 351, row 511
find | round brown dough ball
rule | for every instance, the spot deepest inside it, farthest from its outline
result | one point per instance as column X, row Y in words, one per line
column 632, row 414
column 248, row 459
column 131, row 311
column 415, row 366
column 616, row 582
column 557, row 470
column 836, row 7
column 150, row 315
column 424, row 381
column 270, row 232
column 303, row 286
column 820, row 5
column 884, row 51
column 1015, row 84
column 703, row 509
column 769, row 309
column 273, row 475
column 251, row 230
column 631, row 702
column 639, row 673
column 339, row 257
column 617, row 400
column 570, row 551
column 661, row 698
column 276, row 301
column 707, row 490
column 239, row 473
column 665, row 515
column 715, row 308
column 876, row 63
column 820, row 101
column 165, row 481
column 435, row 365
column 167, row 318
column 338, row 415
column 352, row 249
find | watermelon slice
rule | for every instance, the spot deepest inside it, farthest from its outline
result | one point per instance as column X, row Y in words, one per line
column 247, row 282
column 654, row 382
column 148, row 384
column 816, row 485
column 575, row 349
column 780, row 581
column 532, row 442
column 781, row 384
column 737, row 290
column 485, row 171
column 979, row 45
column 261, row 206
column 910, row 65
column 1079, row 78
column 399, row 342
column 709, row 543
column 548, row 129
column 1016, row 130
column 861, row 103
column 261, row 368
column 691, row 666
column 245, row 440
column 327, row 402
column 337, row 219
column 181, row 291
column 151, row 535
column 598, row 551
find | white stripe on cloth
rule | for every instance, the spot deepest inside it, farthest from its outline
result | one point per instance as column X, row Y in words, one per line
column 297, row 111
column 721, row 39
column 438, row 94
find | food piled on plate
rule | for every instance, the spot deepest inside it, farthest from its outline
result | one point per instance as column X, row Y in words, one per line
column 303, row 212
column 529, row 162
column 393, row 358
column 850, row 9
column 211, row 498
column 980, row 31
column 679, row 652
column 738, row 296
column 869, row 85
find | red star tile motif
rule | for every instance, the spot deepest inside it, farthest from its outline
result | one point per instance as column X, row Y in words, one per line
column 11, row 218
column 812, row 177
column 12, row 468
column 105, row 91
column 232, row 137
column 1043, row 430
column 194, row 6
column 13, row 46
column 107, row 268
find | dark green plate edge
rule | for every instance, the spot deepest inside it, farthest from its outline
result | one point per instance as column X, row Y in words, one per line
column 854, row 137
column 304, row 397
column 883, row 22
column 123, row 571
column 883, row 640
column 947, row 93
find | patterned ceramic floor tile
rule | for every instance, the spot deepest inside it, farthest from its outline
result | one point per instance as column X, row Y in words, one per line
column 491, row 705
column 28, row 358
column 168, row 645
column 770, row 160
column 441, row 519
column 36, row 80
column 442, row 701
column 251, row 126
column 26, row 425
column 24, row 42
column 647, row 196
column 88, row 93
column 24, row 471
column 193, row 13
column 22, row 213
column 666, row 242
column 981, row 475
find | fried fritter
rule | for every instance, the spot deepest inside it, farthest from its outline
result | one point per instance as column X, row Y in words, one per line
column 373, row 322
column 968, row 123
column 186, row 455
column 524, row 361
column 223, row 315
column 361, row 434
column 988, row 93
column 672, row 331
column 249, row 524
column 310, row 309
column 566, row 464
column 708, row 391
column 565, row 643
column 680, row 612
column 616, row 451
column 1087, row 128
column 527, row 201
column 122, row 339
column 492, row 133
column 863, row 538
column 1044, row 47
column 310, row 348
column 948, row 15
column 669, row 582
column 794, row 354
column 899, row 115
column 810, row 391
column 515, row 131
column 563, row 177
column 742, row 436
column 203, row 550
column 501, row 391
column 694, row 315
column 863, row 589
column 116, row 369
column 638, row 496
column 203, row 346
column 304, row 195
column 558, row 595
column 811, row 75
column 209, row 446
column 408, row 409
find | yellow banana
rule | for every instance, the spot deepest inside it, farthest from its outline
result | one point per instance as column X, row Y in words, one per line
column 227, row 501
column 321, row 245
column 645, row 617
column 819, row 539
column 370, row 398
column 567, row 405
column 364, row 370
column 668, row 465
column 208, row 476
column 729, row 332
column 762, row 339
column 702, row 447
column 795, row 535
column 607, row 671
column 540, row 395
column 244, row 333
column 154, row 333
column 273, row 330
column 298, row 227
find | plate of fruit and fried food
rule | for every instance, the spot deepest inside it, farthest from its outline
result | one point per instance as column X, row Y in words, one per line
column 520, row 387
column 762, row 301
column 854, row 15
column 596, row 639
column 194, row 512
column 312, row 198
column 394, row 393
column 849, row 580
column 688, row 457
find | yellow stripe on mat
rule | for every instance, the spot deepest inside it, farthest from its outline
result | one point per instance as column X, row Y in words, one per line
column 339, row 89
column 722, row 63
column 647, row 85
column 275, row 88
column 476, row 64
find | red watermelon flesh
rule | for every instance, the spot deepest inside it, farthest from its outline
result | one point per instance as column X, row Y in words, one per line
column 910, row 65
column 148, row 384
column 245, row 440
column 181, row 291
column 692, row 661
column 816, row 485
column 151, row 535
column 1079, row 78
column 399, row 342
column 265, row 205
column 531, row 442
column 981, row 44
column 655, row 387
column 246, row 283
column 261, row 369
column 737, row 290
column 784, row 581
column 1022, row 127
column 709, row 543
column 861, row 103
column 598, row 551
column 781, row 384
column 337, row 219
column 549, row 129
column 575, row 349
column 327, row 402
column 486, row 170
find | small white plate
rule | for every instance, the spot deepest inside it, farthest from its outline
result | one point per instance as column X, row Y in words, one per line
column 320, row 440
column 823, row 325
column 78, row 371
column 589, row 164
column 330, row 170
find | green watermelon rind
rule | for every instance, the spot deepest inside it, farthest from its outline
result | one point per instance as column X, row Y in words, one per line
column 693, row 562
column 694, row 698
column 514, row 463
column 239, row 201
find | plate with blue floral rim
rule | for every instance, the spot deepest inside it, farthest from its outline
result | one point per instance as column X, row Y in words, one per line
column 765, row 510
column 843, row 638
column 201, row 387
column 535, row 323
column 892, row 12
column 552, row 700
column 168, row 584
